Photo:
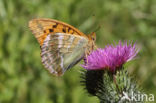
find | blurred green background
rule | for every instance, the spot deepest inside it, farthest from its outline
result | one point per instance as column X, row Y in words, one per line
column 23, row 78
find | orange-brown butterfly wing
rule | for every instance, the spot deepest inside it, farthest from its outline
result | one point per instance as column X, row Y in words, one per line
column 42, row 27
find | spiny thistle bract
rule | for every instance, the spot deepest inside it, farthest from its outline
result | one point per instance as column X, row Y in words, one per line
column 110, row 88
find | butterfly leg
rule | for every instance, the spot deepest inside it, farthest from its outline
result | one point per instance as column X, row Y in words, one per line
column 96, row 47
column 86, row 54
column 86, row 58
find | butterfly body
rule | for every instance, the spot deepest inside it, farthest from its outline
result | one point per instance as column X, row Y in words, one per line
column 62, row 45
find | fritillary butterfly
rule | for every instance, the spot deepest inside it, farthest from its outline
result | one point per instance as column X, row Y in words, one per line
column 62, row 45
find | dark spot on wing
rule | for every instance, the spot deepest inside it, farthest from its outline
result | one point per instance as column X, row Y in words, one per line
column 69, row 29
column 51, row 30
column 64, row 30
column 54, row 26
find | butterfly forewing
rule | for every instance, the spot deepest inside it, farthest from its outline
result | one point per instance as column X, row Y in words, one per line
column 42, row 27
column 61, row 51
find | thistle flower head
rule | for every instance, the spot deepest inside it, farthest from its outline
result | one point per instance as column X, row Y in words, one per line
column 111, row 57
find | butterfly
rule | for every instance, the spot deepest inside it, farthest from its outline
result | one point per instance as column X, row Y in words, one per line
column 62, row 45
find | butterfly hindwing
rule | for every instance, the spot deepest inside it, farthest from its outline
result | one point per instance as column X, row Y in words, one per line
column 42, row 27
column 61, row 51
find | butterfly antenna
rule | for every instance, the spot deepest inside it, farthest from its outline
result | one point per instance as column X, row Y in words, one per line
column 98, row 28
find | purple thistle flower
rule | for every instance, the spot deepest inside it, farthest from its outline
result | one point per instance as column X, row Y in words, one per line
column 111, row 57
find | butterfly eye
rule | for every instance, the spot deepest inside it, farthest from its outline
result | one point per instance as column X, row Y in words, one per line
column 93, row 38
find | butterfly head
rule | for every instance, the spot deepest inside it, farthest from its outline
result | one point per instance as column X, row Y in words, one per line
column 92, row 36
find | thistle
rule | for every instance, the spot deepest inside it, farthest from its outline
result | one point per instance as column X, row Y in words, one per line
column 111, row 57
column 105, row 75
